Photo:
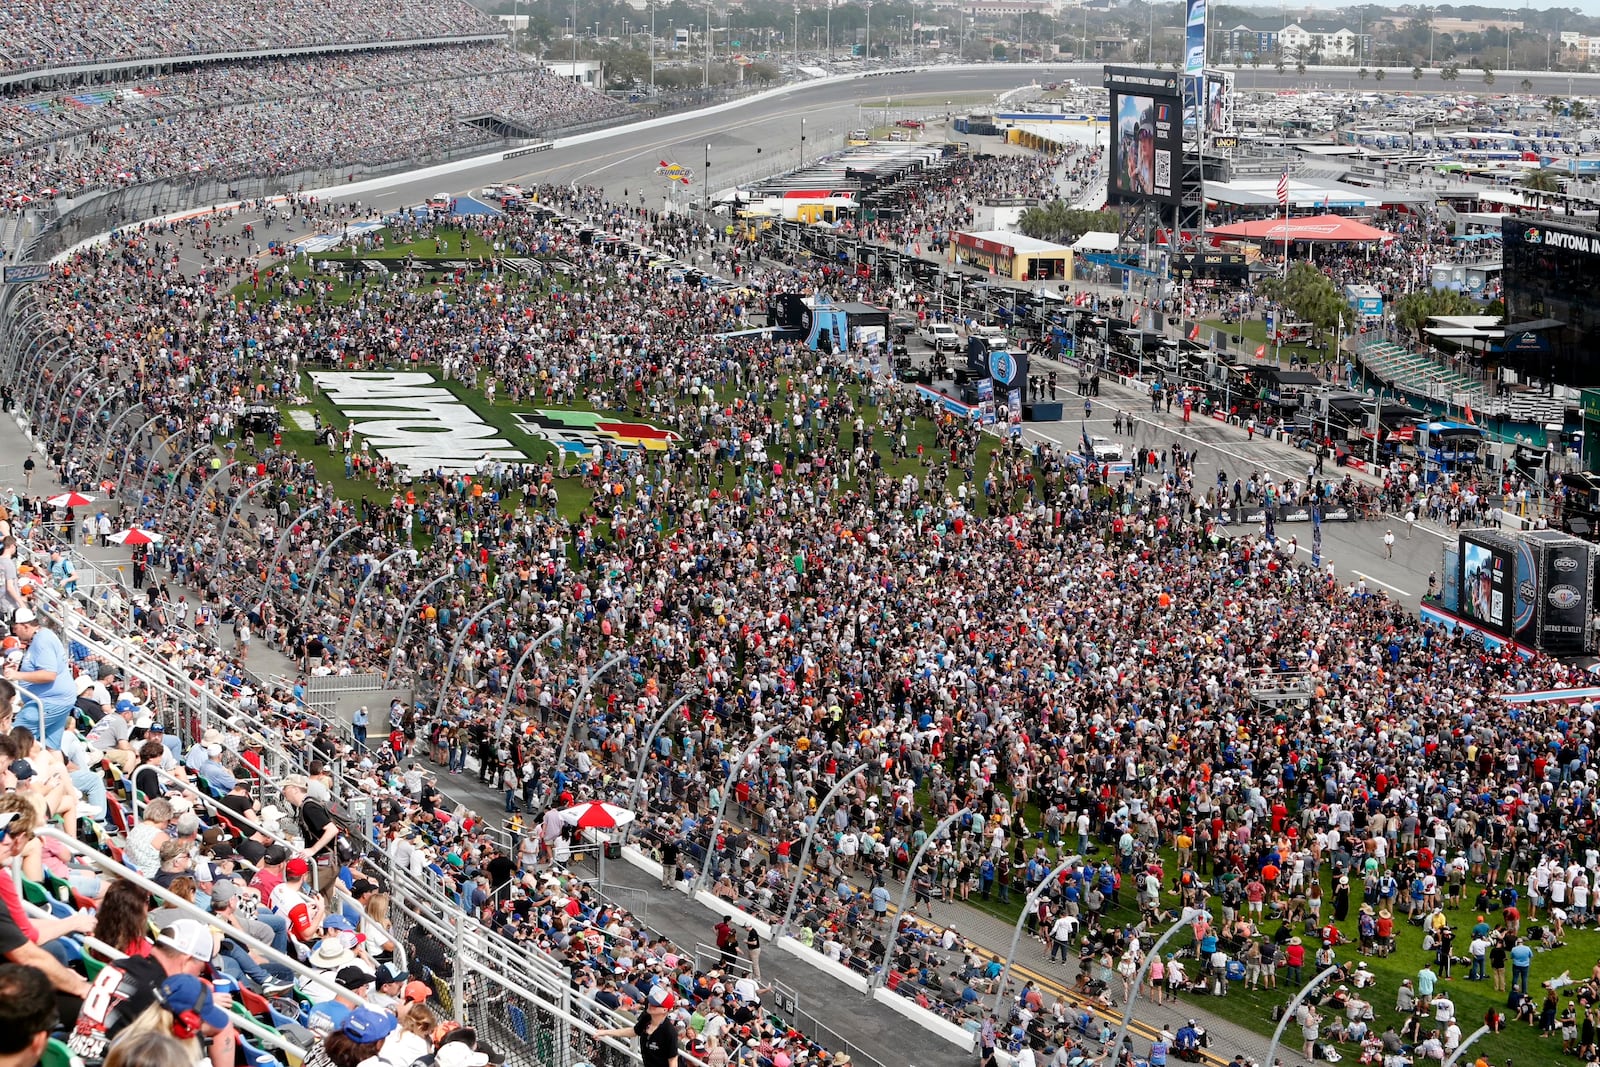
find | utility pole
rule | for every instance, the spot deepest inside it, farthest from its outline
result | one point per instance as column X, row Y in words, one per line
column 867, row 55
column 652, row 47
column 707, row 83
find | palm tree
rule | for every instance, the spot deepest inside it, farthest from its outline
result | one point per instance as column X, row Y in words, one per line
column 1488, row 77
column 1526, row 85
column 1539, row 182
column 1416, row 74
column 1362, row 73
column 1578, row 110
column 1379, row 74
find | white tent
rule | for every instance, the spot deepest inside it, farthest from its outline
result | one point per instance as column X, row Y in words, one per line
column 1097, row 241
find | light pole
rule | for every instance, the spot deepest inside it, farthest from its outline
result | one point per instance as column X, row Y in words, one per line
column 652, row 47
column 227, row 521
column 516, row 669
column 405, row 624
column 106, row 438
column 277, row 549
column 361, row 593
column 805, row 847
column 827, row 32
column 1456, row 1055
column 802, row 140
column 722, row 805
column 876, row 980
column 1289, row 1008
column 183, row 462
column 127, row 455
column 867, row 54
column 797, row 35
column 1016, row 932
column 1144, row 969
column 200, row 504
column 577, row 708
column 94, row 420
column 707, row 83
column 455, row 650
column 322, row 561
column 636, row 791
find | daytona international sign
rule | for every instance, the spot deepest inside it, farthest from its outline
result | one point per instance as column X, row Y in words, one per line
column 414, row 422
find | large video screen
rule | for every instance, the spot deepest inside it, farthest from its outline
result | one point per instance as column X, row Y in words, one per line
column 1486, row 585
column 1146, row 135
column 1219, row 102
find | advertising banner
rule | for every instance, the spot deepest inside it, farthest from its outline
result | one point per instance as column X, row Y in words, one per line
column 1194, row 50
column 1564, row 595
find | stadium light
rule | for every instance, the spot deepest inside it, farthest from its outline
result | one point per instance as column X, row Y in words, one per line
column 805, row 847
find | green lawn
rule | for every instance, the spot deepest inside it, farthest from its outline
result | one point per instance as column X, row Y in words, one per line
column 575, row 497
column 1255, row 333
column 1472, row 999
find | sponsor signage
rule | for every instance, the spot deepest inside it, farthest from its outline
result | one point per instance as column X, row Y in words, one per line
column 415, row 423
column 26, row 273
column 1548, row 236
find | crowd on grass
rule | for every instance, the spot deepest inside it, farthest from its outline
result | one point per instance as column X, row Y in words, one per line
column 1041, row 656
column 273, row 116
column 82, row 31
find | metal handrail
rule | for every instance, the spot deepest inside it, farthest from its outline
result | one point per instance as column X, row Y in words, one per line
column 107, row 866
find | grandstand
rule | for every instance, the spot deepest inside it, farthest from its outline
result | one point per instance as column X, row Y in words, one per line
column 66, row 40
column 318, row 90
column 1424, row 376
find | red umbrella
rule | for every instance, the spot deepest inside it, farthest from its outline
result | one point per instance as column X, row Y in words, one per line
column 597, row 815
column 70, row 500
column 136, row 536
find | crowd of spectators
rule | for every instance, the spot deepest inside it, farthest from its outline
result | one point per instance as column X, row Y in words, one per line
column 272, row 116
column 92, row 31
column 1043, row 655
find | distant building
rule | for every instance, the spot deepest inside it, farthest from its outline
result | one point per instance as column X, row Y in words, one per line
column 1308, row 41
column 1578, row 46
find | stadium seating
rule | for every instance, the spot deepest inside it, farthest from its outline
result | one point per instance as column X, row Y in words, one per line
column 97, row 31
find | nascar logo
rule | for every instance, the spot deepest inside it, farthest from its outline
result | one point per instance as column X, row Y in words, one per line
column 1564, row 597
column 580, row 432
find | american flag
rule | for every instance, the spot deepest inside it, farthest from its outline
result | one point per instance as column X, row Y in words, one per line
column 1283, row 189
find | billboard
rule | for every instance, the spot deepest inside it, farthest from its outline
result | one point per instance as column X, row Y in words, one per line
column 1146, row 134
column 1486, row 583
column 1564, row 597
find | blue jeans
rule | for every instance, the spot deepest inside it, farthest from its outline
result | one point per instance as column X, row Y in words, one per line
column 1476, row 974
column 93, row 788
column 1519, row 977
column 238, row 964
column 280, row 929
column 54, row 725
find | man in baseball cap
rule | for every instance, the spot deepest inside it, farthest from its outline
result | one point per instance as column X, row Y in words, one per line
column 658, row 1037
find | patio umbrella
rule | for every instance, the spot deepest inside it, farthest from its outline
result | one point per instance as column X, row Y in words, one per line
column 136, row 536
column 597, row 815
column 70, row 500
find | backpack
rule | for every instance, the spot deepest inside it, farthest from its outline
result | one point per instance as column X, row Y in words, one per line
column 343, row 848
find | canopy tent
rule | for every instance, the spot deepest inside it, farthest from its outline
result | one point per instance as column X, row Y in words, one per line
column 1328, row 228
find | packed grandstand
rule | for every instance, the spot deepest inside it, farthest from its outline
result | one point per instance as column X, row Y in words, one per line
column 827, row 587
column 385, row 84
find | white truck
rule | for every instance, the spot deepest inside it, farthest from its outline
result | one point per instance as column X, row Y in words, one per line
column 942, row 336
